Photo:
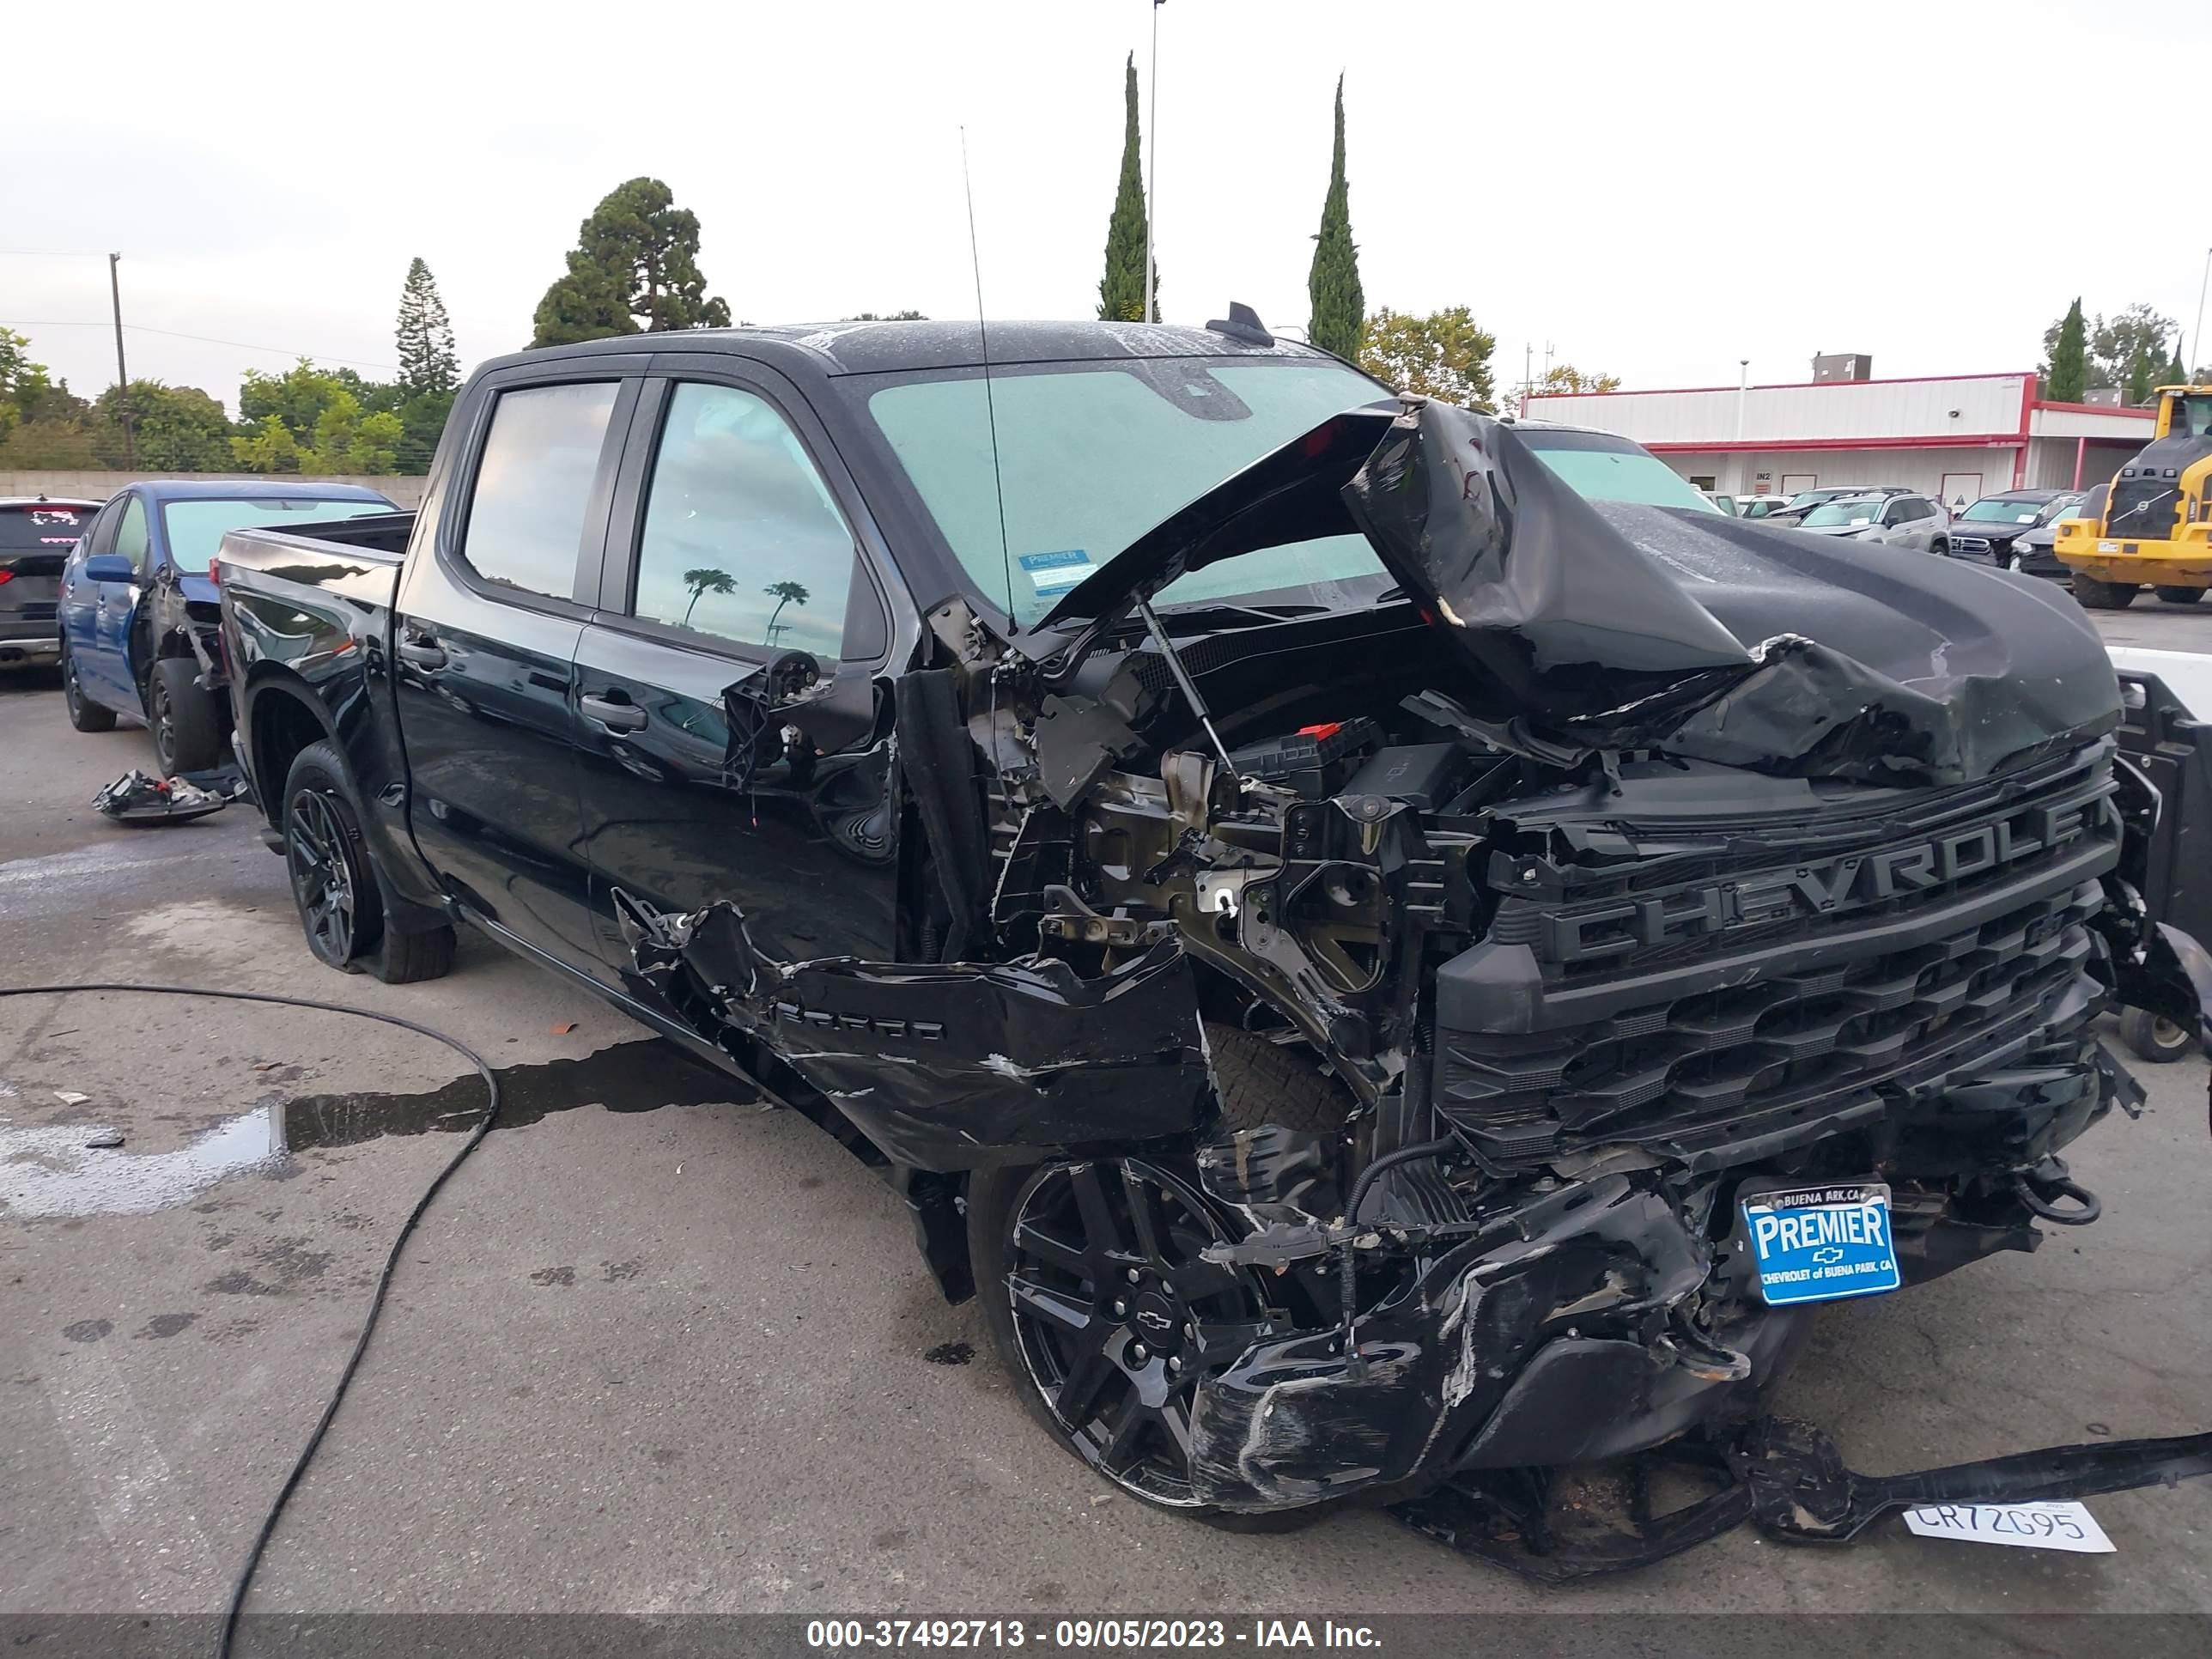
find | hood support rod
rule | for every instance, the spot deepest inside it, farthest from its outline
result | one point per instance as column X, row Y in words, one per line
column 1184, row 681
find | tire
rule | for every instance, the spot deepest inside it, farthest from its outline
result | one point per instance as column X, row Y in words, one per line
column 1940, row 548
column 2150, row 1037
column 85, row 714
column 2180, row 595
column 1083, row 1343
column 2092, row 594
column 1263, row 1082
column 186, row 721
column 334, row 881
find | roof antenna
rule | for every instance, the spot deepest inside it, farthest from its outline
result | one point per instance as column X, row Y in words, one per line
column 990, row 408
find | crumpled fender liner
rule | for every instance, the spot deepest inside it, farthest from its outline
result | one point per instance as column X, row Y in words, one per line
column 1784, row 1477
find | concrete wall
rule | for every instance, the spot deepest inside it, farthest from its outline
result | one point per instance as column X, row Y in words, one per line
column 1788, row 471
column 99, row 486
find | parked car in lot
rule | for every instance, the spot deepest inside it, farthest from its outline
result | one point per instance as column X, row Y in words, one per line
column 2034, row 550
column 1990, row 530
column 1377, row 951
column 1798, row 506
column 1761, row 507
column 137, row 621
column 1898, row 520
column 36, row 535
column 1725, row 503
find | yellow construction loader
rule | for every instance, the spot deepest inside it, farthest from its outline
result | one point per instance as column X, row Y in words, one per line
column 2156, row 527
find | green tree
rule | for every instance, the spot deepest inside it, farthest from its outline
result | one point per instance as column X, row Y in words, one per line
column 704, row 581
column 1121, row 290
column 1340, row 308
column 21, row 380
column 2175, row 373
column 783, row 593
column 886, row 317
column 1443, row 355
column 2142, row 371
column 2066, row 363
column 178, row 428
column 315, row 420
column 634, row 268
column 1564, row 378
column 425, row 335
column 2114, row 345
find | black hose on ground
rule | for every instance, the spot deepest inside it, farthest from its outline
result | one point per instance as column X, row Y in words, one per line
column 391, row 1261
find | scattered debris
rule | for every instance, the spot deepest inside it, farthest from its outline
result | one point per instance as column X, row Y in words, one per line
column 70, row 1097
column 950, row 1353
column 105, row 1139
column 562, row 1027
column 138, row 798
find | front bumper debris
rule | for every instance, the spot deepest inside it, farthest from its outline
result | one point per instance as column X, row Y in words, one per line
column 1784, row 1477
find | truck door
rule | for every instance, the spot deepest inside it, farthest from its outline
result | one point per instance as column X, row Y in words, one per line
column 484, row 642
column 733, row 731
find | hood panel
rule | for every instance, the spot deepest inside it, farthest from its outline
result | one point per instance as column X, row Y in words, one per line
column 1602, row 627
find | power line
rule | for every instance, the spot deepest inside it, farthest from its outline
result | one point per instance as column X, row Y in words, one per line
column 209, row 339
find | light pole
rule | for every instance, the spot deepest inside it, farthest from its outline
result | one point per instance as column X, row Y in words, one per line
column 1152, row 166
column 1742, row 385
column 2197, row 338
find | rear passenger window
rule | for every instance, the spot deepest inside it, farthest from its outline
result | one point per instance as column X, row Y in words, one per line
column 131, row 537
column 526, row 523
column 742, row 539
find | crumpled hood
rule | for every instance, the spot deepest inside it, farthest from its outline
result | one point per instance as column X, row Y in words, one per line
column 1602, row 627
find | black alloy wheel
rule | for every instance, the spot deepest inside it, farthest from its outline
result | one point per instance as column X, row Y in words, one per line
column 163, row 719
column 1115, row 1318
column 84, row 714
column 325, row 883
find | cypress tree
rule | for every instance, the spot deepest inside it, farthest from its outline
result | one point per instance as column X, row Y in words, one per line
column 636, row 257
column 2069, row 376
column 1338, row 306
column 425, row 334
column 2177, row 372
column 1121, row 290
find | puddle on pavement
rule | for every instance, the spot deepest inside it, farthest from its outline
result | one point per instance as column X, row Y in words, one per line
column 47, row 1171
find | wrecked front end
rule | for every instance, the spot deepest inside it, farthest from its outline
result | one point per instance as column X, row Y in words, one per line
column 1511, row 1003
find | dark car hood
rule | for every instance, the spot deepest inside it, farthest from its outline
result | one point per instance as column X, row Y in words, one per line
column 1994, row 531
column 1611, row 627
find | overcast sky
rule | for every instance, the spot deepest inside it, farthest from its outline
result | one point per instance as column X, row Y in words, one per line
column 1656, row 191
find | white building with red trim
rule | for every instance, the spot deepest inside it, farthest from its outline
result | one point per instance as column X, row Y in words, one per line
column 1964, row 435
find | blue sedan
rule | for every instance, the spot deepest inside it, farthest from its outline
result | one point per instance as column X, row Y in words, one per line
column 137, row 612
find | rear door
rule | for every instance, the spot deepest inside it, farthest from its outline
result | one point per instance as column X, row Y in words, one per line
column 485, row 633
column 733, row 708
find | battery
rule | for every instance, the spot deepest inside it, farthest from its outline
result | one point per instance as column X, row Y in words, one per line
column 1301, row 759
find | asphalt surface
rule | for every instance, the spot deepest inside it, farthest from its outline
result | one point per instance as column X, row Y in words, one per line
column 659, row 1350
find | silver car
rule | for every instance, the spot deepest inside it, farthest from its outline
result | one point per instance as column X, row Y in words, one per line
column 1902, row 520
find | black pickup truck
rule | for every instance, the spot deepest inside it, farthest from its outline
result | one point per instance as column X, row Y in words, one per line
column 1390, row 949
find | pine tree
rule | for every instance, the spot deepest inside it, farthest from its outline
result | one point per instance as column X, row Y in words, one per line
column 1121, row 290
column 2066, row 378
column 2143, row 374
column 1340, row 308
column 2177, row 372
column 636, row 257
column 427, row 359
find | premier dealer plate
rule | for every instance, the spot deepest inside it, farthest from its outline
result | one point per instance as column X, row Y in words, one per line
column 1820, row 1244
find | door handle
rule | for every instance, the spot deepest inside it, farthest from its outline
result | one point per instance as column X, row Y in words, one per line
column 424, row 653
column 614, row 716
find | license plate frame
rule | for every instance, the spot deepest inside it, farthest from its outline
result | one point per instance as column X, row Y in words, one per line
column 1825, row 1242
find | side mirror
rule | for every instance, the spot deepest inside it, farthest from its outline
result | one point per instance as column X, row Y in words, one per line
column 109, row 567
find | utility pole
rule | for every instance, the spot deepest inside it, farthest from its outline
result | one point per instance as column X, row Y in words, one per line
column 1152, row 167
column 122, row 374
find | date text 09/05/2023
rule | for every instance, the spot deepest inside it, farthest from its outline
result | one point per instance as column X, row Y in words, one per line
column 1109, row 1634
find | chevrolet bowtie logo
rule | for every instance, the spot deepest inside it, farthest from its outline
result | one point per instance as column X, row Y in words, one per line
column 1827, row 1254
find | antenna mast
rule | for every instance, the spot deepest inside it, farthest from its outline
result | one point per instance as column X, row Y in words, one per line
column 990, row 408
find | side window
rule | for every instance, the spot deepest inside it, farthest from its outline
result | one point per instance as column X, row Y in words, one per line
column 742, row 539
column 526, row 522
column 131, row 535
column 99, row 535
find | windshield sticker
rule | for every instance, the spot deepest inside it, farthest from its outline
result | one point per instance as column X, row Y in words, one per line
column 1055, row 574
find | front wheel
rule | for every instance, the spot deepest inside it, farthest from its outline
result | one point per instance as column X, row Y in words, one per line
column 1942, row 549
column 2153, row 1036
column 2091, row 594
column 85, row 714
column 2180, row 595
column 187, row 726
column 1105, row 1316
column 334, row 885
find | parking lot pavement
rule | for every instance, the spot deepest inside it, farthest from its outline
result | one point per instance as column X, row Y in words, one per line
column 682, row 1359
column 2154, row 623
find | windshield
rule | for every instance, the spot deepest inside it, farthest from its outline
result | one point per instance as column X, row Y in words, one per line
column 1090, row 457
column 1997, row 509
column 2192, row 413
column 43, row 526
column 1600, row 467
column 195, row 528
column 1864, row 510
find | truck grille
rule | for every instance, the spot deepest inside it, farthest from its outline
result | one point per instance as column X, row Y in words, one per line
column 1754, row 1028
column 2142, row 507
